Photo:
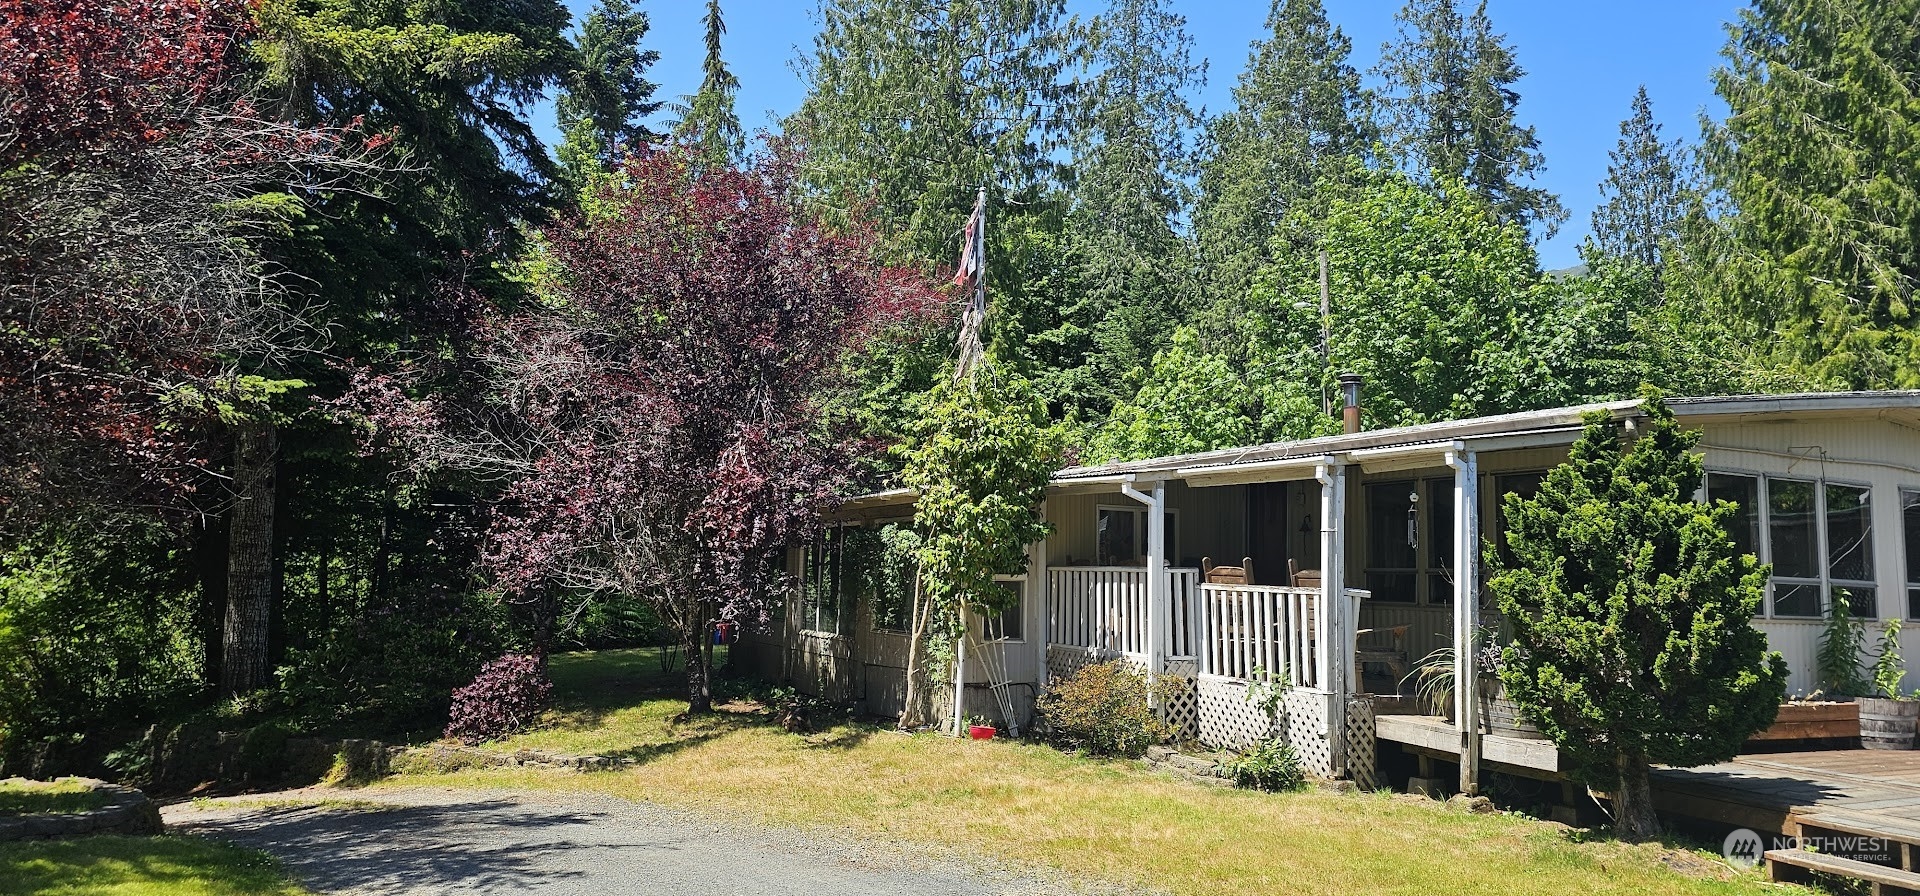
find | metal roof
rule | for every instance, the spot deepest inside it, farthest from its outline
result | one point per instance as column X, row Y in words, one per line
column 1900, row 405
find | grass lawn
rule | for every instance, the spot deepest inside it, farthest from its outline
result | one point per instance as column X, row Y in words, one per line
column 1018, row 802
column 60, row 796
column 138, row 866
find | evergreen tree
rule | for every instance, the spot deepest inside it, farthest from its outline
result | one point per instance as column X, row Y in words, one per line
column 1631, row 613
column 1131, row 162
column 1451, row 110
column 1297, row 104
column 915, row 104
column 1647, row 193
column 607, row 95
column 708, row 117
column 1816, row 155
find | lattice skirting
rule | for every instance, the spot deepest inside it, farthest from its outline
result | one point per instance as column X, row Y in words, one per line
column 1228, row 720
column 1362, row 759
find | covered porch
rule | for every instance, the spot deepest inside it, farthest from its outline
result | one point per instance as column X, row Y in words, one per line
column 1334, row 575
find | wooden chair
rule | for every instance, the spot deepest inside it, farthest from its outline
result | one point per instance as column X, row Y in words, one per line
column 1226, row 575
column 1393, row 655
column 1302, row 578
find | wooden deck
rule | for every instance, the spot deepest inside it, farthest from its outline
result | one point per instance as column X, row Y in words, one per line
column 1435, row 736
column 1778, row 792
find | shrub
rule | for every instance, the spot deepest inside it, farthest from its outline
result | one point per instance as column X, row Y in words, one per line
column 506, row 697
column 1102, row 709
column 1268, row 765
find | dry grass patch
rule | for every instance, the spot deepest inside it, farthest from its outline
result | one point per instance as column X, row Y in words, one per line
column 1113, row 821
column 19, row 797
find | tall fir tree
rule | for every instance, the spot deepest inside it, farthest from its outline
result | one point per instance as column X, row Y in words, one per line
column 1817, row 156
column 1298, row 104
column 1449, row 109
column 707, row 117
column 1647, row 195
column 912, row 107
column 607, row 96
column 1132, row 161
column 915, row 104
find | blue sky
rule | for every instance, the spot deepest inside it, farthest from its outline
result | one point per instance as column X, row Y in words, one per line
column 1583, row 59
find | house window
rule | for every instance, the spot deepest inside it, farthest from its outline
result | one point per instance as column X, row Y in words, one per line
column 821, row 584
column 1392, row 536
column 882, row 579
column 1522, row 485
column 1910, row 521
column 1410, row 541
column 1009, row 623
column 1818, row 536
column 1744, row 491
column 1122, row 539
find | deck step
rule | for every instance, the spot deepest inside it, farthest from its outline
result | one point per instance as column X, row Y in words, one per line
column 1791, row 865
column 1898, row 830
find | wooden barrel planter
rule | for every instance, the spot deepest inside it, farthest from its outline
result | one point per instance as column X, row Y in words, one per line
column 1888, row 724
column 1501, row 716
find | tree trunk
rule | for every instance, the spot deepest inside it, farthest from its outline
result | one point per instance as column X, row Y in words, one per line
column 250, row 589
column 1633, row 816
column 696, row 630
column 918, row 709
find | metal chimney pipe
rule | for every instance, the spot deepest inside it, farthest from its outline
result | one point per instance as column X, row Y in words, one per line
column 1350, row 409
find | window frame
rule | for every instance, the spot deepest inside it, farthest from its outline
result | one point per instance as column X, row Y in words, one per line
column 1422, row 571
column 829, row 543
column 1019, row 609
column 1763, row 548
column 1909, row 570
column 1139, row 512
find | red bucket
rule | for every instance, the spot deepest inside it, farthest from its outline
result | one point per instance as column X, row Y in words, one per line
column 981, row 732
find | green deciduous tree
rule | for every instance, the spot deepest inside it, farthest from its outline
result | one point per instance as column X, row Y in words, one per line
column 1451, row 110
column 1631, row 614
column 1297, row 104
column 708, row 117
column 981, row 460
column 1194, row 400
column 1818, row 157
column 1648, row 193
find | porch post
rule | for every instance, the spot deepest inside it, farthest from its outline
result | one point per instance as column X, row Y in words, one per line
column 1337, row 631
column 1466, row 613
column 1038, row 583
column 1157, row 597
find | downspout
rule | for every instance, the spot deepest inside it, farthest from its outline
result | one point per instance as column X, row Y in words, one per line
column 1156, row 502
column 1466, row 612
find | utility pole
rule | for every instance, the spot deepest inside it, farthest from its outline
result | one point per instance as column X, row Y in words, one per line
column 1326, row 335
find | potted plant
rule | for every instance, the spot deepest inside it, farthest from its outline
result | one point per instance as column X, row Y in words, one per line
column 979, row 728
column 1887, row 718
column 1498, row 713
column 1433, row 681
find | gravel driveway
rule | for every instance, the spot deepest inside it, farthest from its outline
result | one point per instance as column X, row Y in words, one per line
column 422, row 841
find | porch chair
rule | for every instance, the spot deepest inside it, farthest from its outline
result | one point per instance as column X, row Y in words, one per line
column 1392, row 654
column 1226, row 575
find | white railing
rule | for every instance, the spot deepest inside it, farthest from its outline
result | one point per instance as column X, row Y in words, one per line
column 1183, row 612
column 1262, row 631
column 1106, row 608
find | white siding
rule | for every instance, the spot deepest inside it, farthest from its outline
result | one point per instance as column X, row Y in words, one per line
column 1881, row 454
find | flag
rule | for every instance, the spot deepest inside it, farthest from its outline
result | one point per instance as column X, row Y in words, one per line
column 971, row 248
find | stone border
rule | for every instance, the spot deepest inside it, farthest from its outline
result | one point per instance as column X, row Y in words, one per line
column 128, row 811
column 443, row 758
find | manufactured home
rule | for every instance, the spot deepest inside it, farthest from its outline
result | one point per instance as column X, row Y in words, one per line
column 1330, row 567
